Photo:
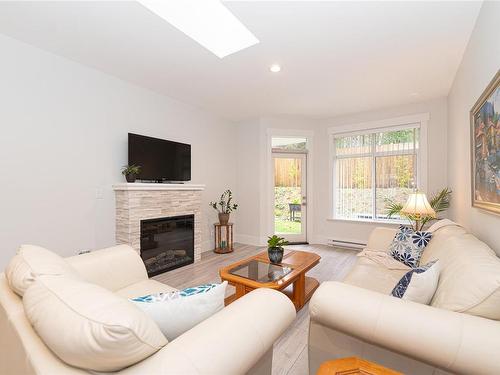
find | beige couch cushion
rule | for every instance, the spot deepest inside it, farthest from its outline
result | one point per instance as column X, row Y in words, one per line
column 88, row 326
column 112, row 268
column 371, row 275
column 32, row 261
column 470, row 277
column 439, row 247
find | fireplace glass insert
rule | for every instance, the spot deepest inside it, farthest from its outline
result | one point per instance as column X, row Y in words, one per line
column 167, row 243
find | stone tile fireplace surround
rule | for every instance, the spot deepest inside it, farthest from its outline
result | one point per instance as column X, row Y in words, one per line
column 144, row 201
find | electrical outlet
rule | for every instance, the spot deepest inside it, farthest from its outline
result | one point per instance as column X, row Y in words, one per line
column 99, row 194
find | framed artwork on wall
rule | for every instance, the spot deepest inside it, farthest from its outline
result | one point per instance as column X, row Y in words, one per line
column 485, row 148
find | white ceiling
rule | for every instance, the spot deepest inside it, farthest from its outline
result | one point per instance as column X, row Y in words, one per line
column 336, row 57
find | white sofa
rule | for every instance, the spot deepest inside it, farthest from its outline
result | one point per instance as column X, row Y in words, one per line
column 458, row 332
column 236, row 340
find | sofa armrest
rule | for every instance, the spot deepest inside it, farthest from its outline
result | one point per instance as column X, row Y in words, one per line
column 453, row 341
column 229, row 342
column 112, row 268
column 381, row 238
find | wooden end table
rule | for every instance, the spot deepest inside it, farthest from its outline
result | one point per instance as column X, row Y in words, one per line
column 223, row 238
column 288, row 277
column 354, row 365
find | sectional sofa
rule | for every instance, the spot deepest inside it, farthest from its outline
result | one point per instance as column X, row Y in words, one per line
column 459, row 332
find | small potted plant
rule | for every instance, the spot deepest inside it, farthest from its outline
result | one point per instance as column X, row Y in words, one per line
column 275, row 248
column 224, row 206
column 131, row 172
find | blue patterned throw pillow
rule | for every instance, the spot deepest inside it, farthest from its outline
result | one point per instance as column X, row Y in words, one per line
column 408, row 245
column 160, row 297
column 419, row 284
column 178, row 311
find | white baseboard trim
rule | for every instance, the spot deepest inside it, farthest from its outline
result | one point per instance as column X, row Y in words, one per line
column 319, row 240
column 207, row 245
column 246, row 239
column 249, row 240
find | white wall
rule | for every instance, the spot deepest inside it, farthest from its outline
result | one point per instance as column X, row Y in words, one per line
column 480, row 63
column 248, row 192
column 437, row 176
column 64, row 135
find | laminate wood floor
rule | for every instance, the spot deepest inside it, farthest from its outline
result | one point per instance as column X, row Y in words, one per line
column 290, row 350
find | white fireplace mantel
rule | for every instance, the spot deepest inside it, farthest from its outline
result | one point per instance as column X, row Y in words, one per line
column 156, row 186
column 143, row 201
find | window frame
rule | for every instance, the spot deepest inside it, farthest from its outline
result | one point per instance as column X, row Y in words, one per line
column 400, row 123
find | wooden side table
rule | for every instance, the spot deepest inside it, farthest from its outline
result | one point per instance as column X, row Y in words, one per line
column 223, row 238
column 353, row 365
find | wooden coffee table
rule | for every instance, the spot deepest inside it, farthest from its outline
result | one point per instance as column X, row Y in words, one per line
column 288, row 277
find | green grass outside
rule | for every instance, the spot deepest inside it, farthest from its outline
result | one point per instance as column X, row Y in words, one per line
column 285, row 226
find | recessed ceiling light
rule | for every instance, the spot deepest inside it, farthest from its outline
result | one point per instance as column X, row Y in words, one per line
column 275, row 68
column 208, row 22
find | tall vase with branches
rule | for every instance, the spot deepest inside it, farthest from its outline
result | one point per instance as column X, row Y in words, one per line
column 440, row 202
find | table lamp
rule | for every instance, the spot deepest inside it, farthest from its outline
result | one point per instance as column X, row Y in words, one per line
column 418, row 206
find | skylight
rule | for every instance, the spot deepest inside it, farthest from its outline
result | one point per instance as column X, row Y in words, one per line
column 208, row 22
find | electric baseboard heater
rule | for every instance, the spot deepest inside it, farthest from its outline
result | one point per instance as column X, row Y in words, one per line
column 346, row 244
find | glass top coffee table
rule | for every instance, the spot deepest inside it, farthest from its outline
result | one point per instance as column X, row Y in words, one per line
column 260, row 271
column 288, row 277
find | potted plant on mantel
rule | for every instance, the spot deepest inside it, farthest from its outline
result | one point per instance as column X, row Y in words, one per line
column 275, row 248
column 224, row 206
column 131, row 172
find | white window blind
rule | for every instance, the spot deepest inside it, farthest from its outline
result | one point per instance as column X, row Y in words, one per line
column 370, row 168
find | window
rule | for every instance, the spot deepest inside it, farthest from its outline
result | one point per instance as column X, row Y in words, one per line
column 373, row 166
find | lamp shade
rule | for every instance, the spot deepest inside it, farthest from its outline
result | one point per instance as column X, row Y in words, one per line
column 417, row 204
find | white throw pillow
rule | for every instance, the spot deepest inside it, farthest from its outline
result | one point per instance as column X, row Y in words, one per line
column 177, row 312
column 419, row 284
column 32, row 261
column 88, row 326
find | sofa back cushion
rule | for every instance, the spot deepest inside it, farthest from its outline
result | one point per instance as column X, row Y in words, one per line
column 88, row 326
column 113, row 268
column 469, row 281
column 439, row 247
column 32, row 261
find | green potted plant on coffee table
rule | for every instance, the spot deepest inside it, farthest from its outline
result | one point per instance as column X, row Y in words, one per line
column 275, row 248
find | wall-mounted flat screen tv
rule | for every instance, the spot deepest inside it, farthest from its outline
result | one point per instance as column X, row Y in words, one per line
column 159, row 159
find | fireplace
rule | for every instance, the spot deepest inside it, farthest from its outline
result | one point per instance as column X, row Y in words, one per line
column 167, row 243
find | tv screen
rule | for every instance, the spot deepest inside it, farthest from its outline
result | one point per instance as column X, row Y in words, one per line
column 159, row 159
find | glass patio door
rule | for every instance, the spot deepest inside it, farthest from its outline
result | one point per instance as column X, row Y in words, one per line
column 290, row 198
